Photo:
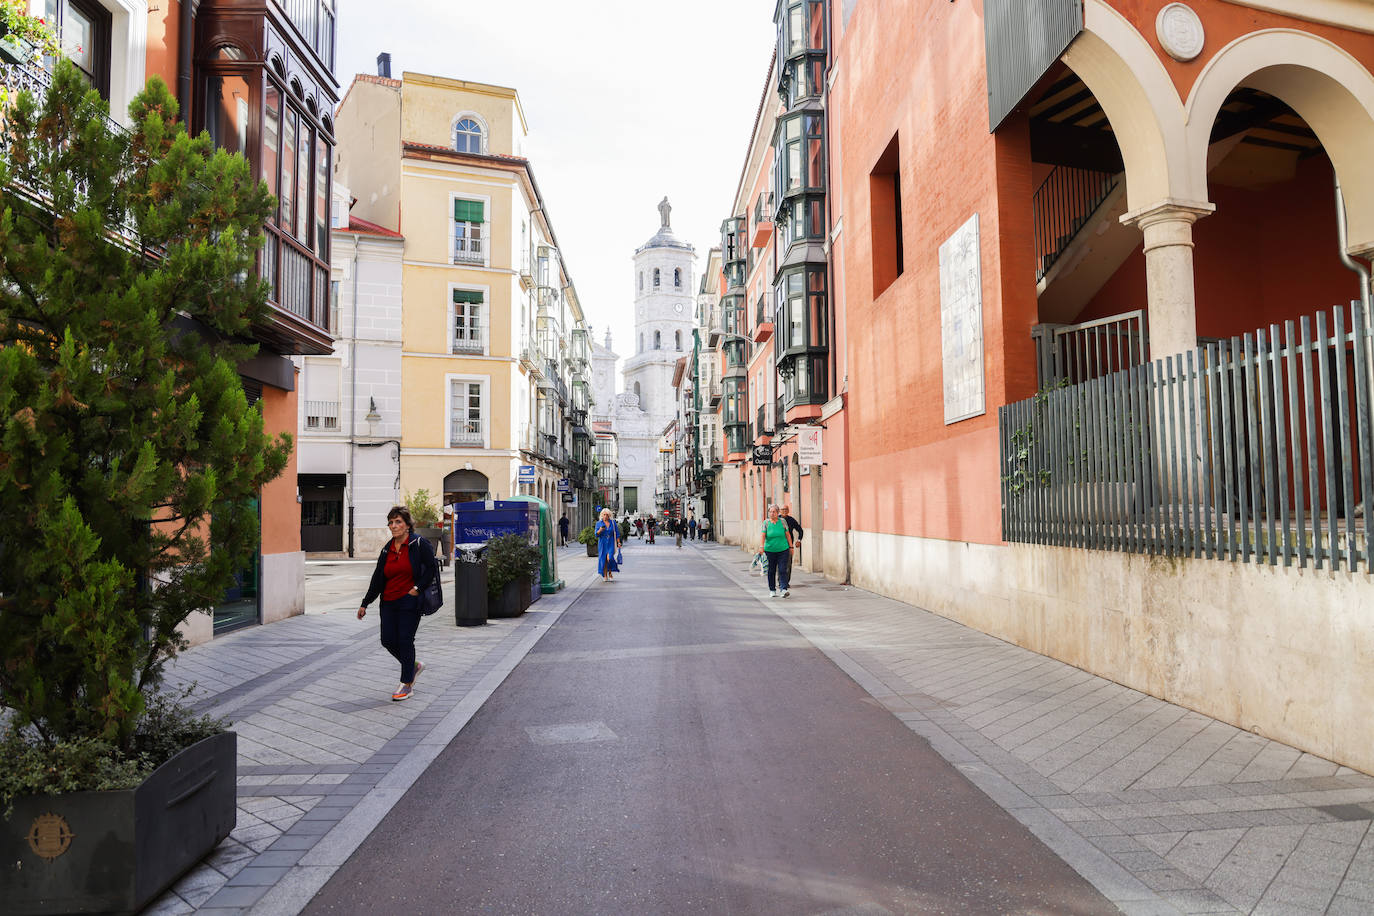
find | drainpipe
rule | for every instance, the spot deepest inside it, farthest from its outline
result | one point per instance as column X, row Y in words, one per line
column 186, row 30
column 353, row 400
column 1346, row 259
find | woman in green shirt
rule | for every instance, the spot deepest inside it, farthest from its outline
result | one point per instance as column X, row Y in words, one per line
column 777, row 545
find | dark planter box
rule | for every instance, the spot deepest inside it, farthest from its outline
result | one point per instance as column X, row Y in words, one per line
column 113, row 852
column 529, row 587
column 470, row 593
column 507, row 604
column 591, row 549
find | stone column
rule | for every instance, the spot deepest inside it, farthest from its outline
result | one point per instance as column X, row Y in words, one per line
column 1168, row 230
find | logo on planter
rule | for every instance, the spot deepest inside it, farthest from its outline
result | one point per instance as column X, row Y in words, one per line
column 50, row 836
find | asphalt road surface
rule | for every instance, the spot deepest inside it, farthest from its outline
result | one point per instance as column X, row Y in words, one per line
column 673, row 747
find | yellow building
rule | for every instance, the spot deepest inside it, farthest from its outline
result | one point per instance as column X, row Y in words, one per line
column 493, row 342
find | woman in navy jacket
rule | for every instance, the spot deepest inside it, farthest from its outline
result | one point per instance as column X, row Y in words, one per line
column 405, row 566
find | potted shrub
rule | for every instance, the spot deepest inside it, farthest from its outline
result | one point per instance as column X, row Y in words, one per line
column 425, row 514
column 127, row 493
column 587, row 536
column 511, row 560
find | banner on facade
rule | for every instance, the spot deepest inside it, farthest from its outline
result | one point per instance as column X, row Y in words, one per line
column 563, row 486
column 526, row 473
column 809, row 445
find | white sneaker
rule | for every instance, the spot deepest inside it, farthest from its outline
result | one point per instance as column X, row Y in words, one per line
column 787, row 593
column 772, row 594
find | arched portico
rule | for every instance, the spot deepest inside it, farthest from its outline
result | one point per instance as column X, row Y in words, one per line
column 1330, row 89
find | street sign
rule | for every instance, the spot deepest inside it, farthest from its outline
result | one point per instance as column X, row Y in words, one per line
column 526, row 473
column 563, row 486
column 569, row 498
column 809, row 445
column 762, row 455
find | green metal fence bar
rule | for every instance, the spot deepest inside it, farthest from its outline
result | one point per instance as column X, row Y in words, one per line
column 1294, row 438
column 1281, row 356
column 1364, row 411
column 1328, row 443
column 1196, row 499
column 1266, row 442
column 1313, row 467
column 1343, row 431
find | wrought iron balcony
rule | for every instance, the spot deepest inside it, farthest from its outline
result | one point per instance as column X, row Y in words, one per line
column 466, row 432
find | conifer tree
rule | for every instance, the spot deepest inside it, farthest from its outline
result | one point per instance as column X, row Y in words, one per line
column 129, row 456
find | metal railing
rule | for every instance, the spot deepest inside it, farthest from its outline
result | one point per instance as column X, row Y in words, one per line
column 472, row 343
column 1080, row 352
column 466, row 432
column 1259, row 449
column 1062, row 205
column 468, row 251
column 322, row 415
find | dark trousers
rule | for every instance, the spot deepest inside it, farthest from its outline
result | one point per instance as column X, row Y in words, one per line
column 785, row 570
column 400, row 620
column 778, row 569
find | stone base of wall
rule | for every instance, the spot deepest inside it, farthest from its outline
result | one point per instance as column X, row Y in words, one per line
column 835, row 547
column 198, row 628
column 1285, row 653
column 283, row 585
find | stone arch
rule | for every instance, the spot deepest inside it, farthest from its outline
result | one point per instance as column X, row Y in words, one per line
column 1130, row 83
column 465, row 485
column 1324, row 84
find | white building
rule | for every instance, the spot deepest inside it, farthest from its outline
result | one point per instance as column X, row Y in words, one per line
column 664, row 317
column 350, row 406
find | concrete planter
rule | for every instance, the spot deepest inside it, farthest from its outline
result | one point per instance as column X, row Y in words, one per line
column 113, row 852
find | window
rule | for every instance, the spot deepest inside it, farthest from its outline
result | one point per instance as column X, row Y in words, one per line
column 677, row 340
column 658, row 340
column 677, row 277
column 468, row 217
column 656, row 278
column 83, row 31
column 467, row 135
column 467, row 321
column 465, row 413
column 637, row 394
column 226, row 111
column 885, row 208
column 641, row 281
column 641, row 342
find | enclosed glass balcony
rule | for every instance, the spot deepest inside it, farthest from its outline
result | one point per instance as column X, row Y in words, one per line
column 799, row 155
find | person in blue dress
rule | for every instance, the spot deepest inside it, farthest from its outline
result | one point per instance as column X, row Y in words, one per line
column 607, row 543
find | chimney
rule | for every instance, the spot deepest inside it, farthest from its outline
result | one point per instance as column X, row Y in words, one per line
column 384, row 64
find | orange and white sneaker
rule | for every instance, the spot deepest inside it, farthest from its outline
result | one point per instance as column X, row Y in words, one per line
column 419, row 666
column 402, row 693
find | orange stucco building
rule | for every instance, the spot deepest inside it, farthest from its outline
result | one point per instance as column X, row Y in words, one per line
column 1130, row 207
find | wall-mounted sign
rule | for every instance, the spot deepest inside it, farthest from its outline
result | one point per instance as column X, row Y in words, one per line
column 762, row 455
column 961, row 322
column 809, row 445
column 526, row 473
column 563, row 485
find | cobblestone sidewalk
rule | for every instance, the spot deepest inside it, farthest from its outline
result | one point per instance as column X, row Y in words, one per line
column 1165, row 810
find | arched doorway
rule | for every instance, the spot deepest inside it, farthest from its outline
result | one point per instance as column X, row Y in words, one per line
column 465, row 485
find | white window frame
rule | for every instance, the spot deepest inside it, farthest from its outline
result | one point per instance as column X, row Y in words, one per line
column 483, row 145
column 484, row 383
column 484, row 320
column 454, row 197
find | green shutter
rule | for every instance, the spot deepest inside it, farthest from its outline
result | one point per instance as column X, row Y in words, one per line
column 467, row 297
column 467, row 211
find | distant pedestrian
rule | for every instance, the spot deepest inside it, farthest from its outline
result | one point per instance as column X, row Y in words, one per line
column 607, row 544
column 705, row 528
column 677, row 532
column 650, row 527
column 793, row 526
column 639, row 527
column 692, row 528
column 563, row 530
column 776, row 544
column 406, row 565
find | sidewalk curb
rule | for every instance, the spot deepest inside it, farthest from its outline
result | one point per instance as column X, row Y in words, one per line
column 1123, row 889
column 298, row 886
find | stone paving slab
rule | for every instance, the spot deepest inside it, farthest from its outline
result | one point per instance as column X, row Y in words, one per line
column 323, row 751
column 1163, row 809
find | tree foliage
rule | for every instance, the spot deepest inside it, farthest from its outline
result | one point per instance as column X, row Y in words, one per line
column 129, row 456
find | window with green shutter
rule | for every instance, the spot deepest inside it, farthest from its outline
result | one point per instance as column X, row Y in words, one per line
column 468, row 211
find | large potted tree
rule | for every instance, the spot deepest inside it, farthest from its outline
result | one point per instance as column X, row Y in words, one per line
column 511, row 564
column 425, row 514
column 587, row 536
column 130, row 463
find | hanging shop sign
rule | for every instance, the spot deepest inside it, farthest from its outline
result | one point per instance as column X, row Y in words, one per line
column 809, row 445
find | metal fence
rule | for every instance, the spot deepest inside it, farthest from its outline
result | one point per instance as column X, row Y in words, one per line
column 1080, row 352
column 1062, row 205
column 1259, row 448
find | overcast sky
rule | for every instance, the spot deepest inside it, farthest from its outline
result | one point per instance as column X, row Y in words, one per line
column 627, row 101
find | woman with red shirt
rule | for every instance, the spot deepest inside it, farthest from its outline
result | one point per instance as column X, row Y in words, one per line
column 405, row 567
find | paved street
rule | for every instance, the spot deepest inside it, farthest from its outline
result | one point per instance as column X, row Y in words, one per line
column 583, row 785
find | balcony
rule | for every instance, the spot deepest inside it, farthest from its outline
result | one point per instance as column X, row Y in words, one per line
column 467, row 432
column 763, row 323
column 322, row 416
column 763, row 220
column 763, row 426
column 469, row 251
column 579, row 350
column 470, row 344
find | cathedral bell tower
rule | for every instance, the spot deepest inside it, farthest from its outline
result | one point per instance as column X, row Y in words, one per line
column 664, row 297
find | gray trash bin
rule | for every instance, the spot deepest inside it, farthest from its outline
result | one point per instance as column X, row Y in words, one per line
column 470, row 584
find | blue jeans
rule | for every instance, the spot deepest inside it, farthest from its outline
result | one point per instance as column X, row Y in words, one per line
column 778, row 569
column 400, row 620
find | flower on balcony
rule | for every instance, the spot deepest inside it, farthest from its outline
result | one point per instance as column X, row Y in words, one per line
column 17, row 25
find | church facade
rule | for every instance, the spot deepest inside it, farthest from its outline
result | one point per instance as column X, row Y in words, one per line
column 644, row 406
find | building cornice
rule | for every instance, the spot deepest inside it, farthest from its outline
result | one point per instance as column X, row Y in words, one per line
column 1346, row 14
